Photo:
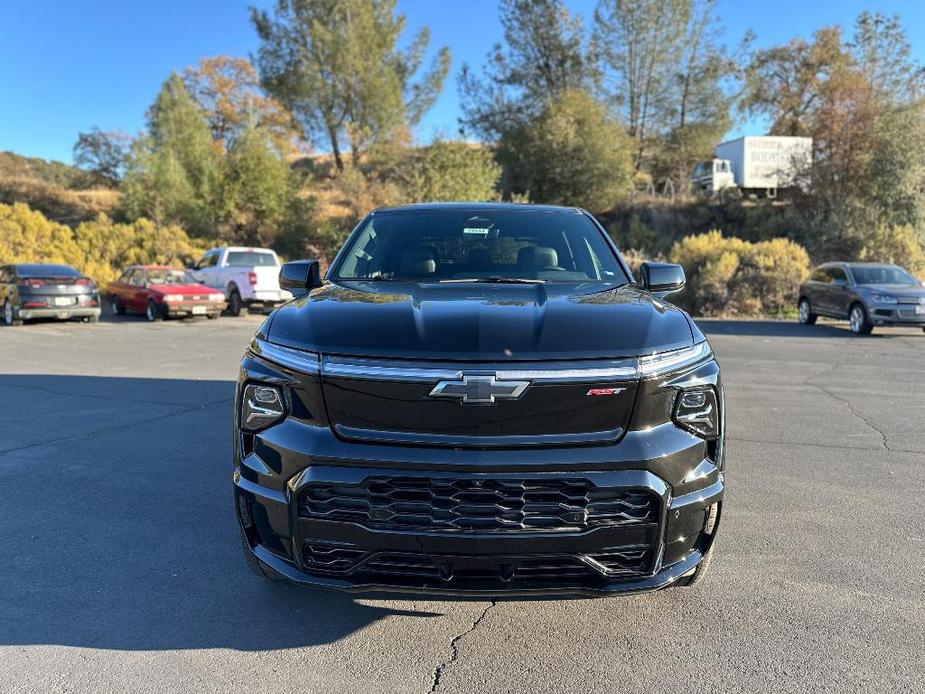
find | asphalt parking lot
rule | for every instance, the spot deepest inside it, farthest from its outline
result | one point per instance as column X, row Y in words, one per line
column 122, row 571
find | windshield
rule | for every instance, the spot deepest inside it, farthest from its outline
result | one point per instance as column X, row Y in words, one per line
column 887, row 274
column 46, row 271
column 170, row 277
column 460, row 245
column 250, row 258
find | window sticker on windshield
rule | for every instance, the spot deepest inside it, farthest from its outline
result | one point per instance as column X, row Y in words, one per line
column 475, row 231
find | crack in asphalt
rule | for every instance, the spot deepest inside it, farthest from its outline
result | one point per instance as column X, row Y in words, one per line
column 454, row 648
column 808, row 381
column 818, row 445
column 108, row 430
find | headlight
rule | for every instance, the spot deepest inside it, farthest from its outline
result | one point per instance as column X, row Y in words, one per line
column 883, row 298
column 697, row 411
column 664, row 362
column 173, row 298
column 216, row 297
column 261, row 406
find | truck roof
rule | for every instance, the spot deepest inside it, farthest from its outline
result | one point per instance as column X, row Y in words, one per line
column 246, row 249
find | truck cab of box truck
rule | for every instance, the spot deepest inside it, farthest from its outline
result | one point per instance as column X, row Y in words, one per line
column 713, row 176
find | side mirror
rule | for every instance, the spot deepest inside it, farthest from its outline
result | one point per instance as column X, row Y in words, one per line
column 662, row 279
column 300, row 276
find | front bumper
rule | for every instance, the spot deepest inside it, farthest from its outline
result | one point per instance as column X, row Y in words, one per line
column 60, row 313
column 895, row 315
column 453, row 562
column 185, row 309
column 482, row 564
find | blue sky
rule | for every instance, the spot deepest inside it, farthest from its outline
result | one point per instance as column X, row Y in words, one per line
column 67, row 66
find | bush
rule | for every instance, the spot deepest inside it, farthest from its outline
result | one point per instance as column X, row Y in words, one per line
column 895, row 244
column 729, row 276
column 449, row 172
column 100, row 249
column 574, row 153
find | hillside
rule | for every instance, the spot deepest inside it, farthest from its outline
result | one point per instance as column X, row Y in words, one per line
column 61, row 192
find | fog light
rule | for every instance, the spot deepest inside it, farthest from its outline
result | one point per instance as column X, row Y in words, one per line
column 261, row 406
column 697, row 411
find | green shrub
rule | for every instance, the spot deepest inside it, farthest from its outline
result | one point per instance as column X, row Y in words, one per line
column 100, row 249
column 895, row 244
column 729, row 276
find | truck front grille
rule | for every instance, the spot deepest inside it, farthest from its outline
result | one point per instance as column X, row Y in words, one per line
column 478, row 505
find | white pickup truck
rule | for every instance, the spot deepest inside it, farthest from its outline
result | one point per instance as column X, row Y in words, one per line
column 248, row 276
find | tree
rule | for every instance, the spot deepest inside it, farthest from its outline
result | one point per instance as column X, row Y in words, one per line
column 543, row 56
column 228, row 92
column 701, row 94
column 784, row 82
column 256, row 189
column 449, row 171
column 335, row 64
column 576, row 154
column 641, row 46
column 102, row 154
column 173, row 171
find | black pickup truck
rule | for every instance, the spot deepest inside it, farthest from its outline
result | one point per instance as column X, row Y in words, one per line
column 479, row 399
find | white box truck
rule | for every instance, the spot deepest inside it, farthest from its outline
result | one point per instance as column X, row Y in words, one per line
column 759, row 165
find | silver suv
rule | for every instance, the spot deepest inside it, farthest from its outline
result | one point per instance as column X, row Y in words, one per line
column 867, row 294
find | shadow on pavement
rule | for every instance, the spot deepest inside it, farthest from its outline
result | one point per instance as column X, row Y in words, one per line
column 118, row 530
column 770, row 328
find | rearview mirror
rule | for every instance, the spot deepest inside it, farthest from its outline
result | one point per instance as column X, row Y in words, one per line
column 300, row 276
column 662, row 279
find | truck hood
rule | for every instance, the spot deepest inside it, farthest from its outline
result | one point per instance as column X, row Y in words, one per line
column 484, row 322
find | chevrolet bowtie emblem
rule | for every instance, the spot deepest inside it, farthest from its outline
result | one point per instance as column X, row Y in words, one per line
column 479, row 390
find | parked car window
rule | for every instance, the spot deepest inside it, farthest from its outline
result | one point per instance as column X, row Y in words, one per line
column 4, row 275
column 125, row 275
column 819, row 275
column 251, row 258
column 837, row 275
column 170, row 276
column 464, row 245
column 46, row 271
column 882, row 275
column 210, row 259
column 136, row 278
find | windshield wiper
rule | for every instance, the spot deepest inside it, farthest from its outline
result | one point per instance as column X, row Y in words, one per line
column 494, row 279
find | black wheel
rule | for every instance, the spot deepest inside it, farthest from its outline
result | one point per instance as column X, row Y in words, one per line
column 235, row 304
column 700, row 572
column 857, row 317
column 804, row 312
column 92, row 319
column 116, row 307
column 152, row 312
column 212, row 316
column 254, row 564
column 9, row 314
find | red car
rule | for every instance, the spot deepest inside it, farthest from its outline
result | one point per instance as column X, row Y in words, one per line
column 158, row 291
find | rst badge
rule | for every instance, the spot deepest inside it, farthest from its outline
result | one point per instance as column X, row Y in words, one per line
column 604, row 391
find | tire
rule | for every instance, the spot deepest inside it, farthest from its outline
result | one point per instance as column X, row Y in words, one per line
column 152, row 313
column 254, row 564
column 212, row 316
column 703, row 568
column 9, row 314
column 92, row 319
column 804, row 312
column 857, row 317
column 116, row 307
column 236, row 304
